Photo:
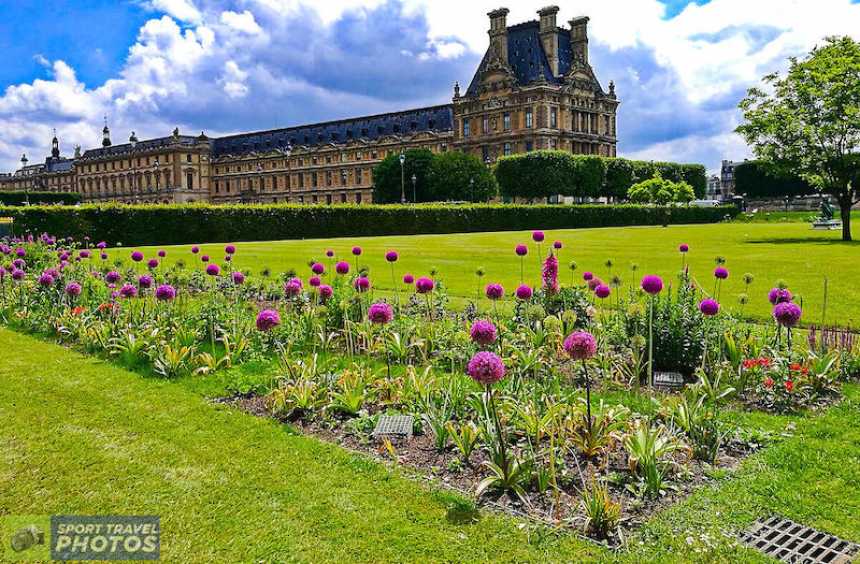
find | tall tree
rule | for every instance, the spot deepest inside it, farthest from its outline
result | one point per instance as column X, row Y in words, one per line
column 808, row 121
column 457, row 176
column 390, row 183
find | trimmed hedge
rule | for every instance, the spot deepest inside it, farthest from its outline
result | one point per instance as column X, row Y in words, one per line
column 757, row 179
column 199, row 223
column 20, row 198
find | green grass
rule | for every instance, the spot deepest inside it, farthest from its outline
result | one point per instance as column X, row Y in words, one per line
column 79, row 435
column 791, row 251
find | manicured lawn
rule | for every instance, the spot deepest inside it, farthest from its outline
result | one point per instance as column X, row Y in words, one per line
column 78, row 435
column 788, row 251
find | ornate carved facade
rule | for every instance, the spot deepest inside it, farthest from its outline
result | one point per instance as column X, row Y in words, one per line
column 534, row 89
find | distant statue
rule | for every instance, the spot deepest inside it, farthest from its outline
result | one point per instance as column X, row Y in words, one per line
column 826, row 209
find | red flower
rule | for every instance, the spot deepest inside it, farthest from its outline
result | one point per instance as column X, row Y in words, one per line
column 749, row 363
column 804, row 371
column 764, row 361
column 78, row 310
column 789, row 385
column 768, row 382
column 794, row 367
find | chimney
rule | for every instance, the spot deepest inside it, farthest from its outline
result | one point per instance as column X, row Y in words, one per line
column 579, row 38
column 549, row 35
column 499, row 34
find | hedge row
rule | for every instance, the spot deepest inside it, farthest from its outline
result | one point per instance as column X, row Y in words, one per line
column 543, row 174
column 184, row 224
column 21, row 198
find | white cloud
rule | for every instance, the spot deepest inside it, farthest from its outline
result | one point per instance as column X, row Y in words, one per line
column 241, row 22
column 182, row 10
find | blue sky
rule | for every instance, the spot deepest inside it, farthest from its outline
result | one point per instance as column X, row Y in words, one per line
column 235, row 65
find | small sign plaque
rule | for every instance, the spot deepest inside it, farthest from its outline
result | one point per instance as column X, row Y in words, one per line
column 393, row 425
column 670, row 381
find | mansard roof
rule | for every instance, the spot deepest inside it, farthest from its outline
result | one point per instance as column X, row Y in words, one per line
column 434, row 118
column 58, row 164
column 145, row 145
column 527, row 58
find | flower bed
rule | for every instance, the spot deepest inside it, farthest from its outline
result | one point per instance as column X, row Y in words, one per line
column 546, row 406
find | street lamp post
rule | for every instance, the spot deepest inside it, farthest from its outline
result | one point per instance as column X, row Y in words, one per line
column 24, row 162
column 133, row 140
column 414, row 192
column 472, row 189
column 156, row 175
column 402, row 178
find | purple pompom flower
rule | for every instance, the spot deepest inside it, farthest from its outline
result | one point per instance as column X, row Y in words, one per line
column 325, row 292
column 238, row 278
column 329, row 253
column 195, row 249
column 84, row 254
column 538, row 236
column 521, row 250
column 137, row 256
column 683, row 247
column 602, row 291
column 213, row 269
column 424, row 285
column 230, row 249
column 580, row 345
column 104, row 256
column 293, row 287
column 128, row 291
column 73, row 289
column 101, row 246
column 162, row 253
column 494, row 291
column 318, row 268
column 486, row 368
column 46, row 280
column 483, row 332
column 721, row 273
column 356, row 251
column 145, row 281
column 587, row 276
column 380, row 313
column 152, row 263
column 557, row 245
column 267, row 320
column 652, row 284
column 408, row 278
column 17, row 274
column 165, row 293
column 391, row 256
column 787, row 314
column 361, row 284
column 204, row 258
column 20, row 252
column 342, row 267
column 779, row 295
column 709, row 307
column 314, row 281
column 524, row 292
column 112, row 277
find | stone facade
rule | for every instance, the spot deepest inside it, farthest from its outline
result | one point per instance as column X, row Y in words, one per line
column 534, row 89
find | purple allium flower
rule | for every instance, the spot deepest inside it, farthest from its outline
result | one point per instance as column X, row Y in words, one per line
column 19, row 263
column 602, row 291
column 356, row 251
column 550, row 274
column 17, row 274
column 709, row 307
column 594, row 283
column 325, row 292
column 53, row 272
column 104, row 256
column 213, row 269
column 20, row 252
column 145, row 281
column 267, row 320
column 557, row 245
column 238, row 278
column 587, row 276
column 165, row 293
column 102, row 245
column 537, row 236
column 2, row 273
column 128, row 291
column 683, row 247
column 494, row 291
column 114, row 295
column 486, row 368
column 152, row 263
column 293, row 287
column 521, row 250
column 46, row 280
column 204, row 258
column 580, row 345
column 361, row 284
column 652, row 284
column 137, row 256
column 230, row 249
column 73, row 289
column 342, row 267
column 228, row 258
column 424, row 285
column 524, row 292
column 195, row 249
column 408, row 278
column 391, row 256
column 779, row 295
column 380, row 313
column 162, row 253
column 721, row 273
column 787, row 314
column 317, row 268
column 483, row 332
column 314, row 281
column 85, row 253
column 112, row 277
column 329, row 253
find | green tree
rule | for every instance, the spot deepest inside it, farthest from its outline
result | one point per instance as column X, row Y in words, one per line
column 760, row 179
column 618, row 178
column 588, row 178
column 457, row 176
column 808, row 121
column 387, row 177
column 684, row 193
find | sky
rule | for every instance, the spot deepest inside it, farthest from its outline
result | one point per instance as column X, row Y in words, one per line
column 226, row 66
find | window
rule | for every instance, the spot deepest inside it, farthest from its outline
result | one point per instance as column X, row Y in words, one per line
column 485, row 153
column 358, row 197
column 486, row 125
column 507, row 149
column 189, row 180
column 530, row 146
column 529, row 119
column 553, row 117
column 188, row 158
column 467, row 129
column 506, row 121
column 328, row 199
column 343, row 197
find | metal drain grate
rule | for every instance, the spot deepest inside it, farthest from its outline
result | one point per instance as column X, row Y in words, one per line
column 397, row 425
column 788, row 541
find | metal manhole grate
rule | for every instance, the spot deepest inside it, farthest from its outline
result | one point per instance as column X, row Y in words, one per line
column 397, row 425
column 788, row 541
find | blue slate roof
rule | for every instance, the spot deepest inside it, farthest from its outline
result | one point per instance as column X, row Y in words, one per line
column 527, row 58
column 141, row 146
column 434, row 118
column 58, row 165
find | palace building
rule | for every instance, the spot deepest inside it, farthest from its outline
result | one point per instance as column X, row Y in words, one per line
column 534, row 89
